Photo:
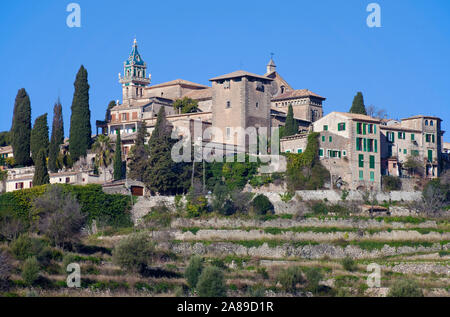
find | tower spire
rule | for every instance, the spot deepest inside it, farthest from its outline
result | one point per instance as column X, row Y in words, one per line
column 271, row 67
column 134, row 78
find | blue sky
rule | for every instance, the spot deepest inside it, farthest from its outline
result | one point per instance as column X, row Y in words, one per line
column 322, row 45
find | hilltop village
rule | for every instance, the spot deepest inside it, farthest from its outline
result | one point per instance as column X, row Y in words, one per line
column 300, row 201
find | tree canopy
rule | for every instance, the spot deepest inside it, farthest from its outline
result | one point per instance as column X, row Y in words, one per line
column 39, row 136
column 358, row 104
column 21, row 128
column 57, row 138
column 186, row 105
column 291, row 125
column 80, row 121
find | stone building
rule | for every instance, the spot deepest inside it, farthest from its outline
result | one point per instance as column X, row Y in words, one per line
column 240, row 100
column 419, row 138
column 349, row 149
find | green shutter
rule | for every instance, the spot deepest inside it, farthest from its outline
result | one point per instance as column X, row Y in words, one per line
column 323, row 138
column 361, row 160
column 365, row 144
column 325, row 128
column 375, row 128
column 364, row 128
column 321, row 152
column 376, row 146
column 412, row 136
column 358, row 128
column 331, row 139
column 430, row 155
column 432, row 138
column 372, row 161
column 372, row 176
column 361, row 175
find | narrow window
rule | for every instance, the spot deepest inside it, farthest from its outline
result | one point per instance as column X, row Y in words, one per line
column 228, row 104
column 372, row 161
column 361, row 175
column 361, row 160
column 372, row 176
column 325, row 128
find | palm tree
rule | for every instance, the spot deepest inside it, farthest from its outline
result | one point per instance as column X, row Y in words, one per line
column 103, row 149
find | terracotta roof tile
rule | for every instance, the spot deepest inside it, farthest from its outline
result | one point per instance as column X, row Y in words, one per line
column 239, row 73
column 200, row 94
column 293, row 94
column 175, row 82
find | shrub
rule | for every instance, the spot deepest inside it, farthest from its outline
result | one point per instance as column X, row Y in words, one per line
column 61, row 218
column 193, row 271
column 134, row 252
column 22, row 247
column 5, row 270
column 319, row 209
column 30, row 270
column 286, row 197
column 313, row 276
column 159, row 216
column 257, row 290
column 290, row 277
column 262, row 206
column 391, row 183
column 349, row 264
column 211, row 283
column 405, row 288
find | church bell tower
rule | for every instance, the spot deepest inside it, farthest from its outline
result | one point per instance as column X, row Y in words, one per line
column 134, row 78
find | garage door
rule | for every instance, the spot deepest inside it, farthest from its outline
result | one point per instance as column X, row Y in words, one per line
column 137, row 191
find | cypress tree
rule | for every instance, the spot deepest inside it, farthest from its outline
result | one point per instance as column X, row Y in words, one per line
column 139, row 155
column 160, row 175
column 39, row 136
column 21, row 128
column 118, row 159
column 358, row 104
column 80, row 121
column 291, row 125
column 41, row 176
column 111, row 105
column 57, row 137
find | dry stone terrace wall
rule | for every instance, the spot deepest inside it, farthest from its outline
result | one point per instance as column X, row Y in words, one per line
column 243, row 235
column 288, row 251
column 230, row 223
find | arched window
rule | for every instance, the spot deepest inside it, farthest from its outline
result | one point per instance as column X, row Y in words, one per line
column 431, row 122
column 426, row 122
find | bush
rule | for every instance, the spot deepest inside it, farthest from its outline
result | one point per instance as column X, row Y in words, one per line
column 134, row 252
column 290, row 277
column 319, row 209
column 405, row 288
column 159, row 216
column 257, row 290
column 112, row 210
column 391, row 183
column 211, row 283
column 22, row 248
column 5, row 270
column 262, row 206
column 313, row 276
column 193, row 271
column 30, row 270
column 61, row 218
column 349, row 264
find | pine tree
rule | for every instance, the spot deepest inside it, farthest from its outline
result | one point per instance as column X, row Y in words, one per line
column 39, row 136
column 138, row 162
column 41, row 176
column 21, row 128
column 160, row 175
column 57, row 138
column 118, row 159
column 358, row 104
column 80, row 121
column 291, row 125
column 111, row 105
